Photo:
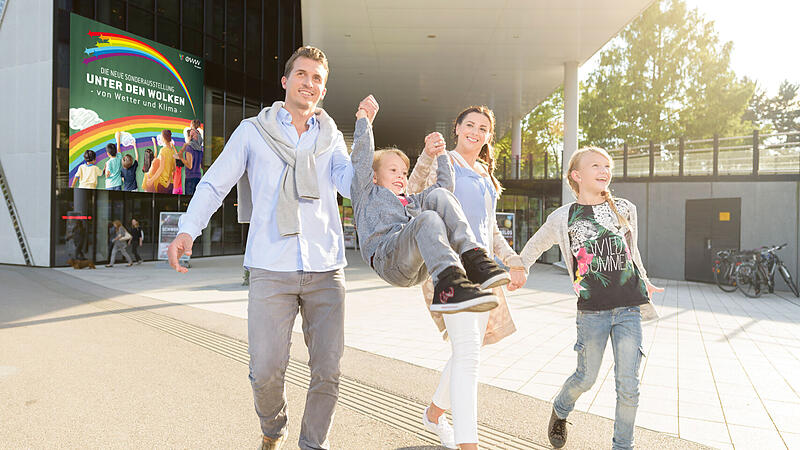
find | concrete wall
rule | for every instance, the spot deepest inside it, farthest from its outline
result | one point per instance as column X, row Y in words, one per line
column 769, row 216
column 26, row 70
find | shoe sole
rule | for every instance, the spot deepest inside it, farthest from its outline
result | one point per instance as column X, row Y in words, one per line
column 480, row 304
column 501, row 279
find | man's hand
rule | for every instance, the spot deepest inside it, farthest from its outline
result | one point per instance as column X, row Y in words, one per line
column 518, row 278
column 434, row 144
column 177, row 248
column 367, row 108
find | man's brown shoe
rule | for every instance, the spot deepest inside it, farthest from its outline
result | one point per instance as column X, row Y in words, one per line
column 268, row 443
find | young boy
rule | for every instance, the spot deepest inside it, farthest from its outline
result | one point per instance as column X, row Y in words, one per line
column 405, row 237
column 87, row 173
column 113, row 169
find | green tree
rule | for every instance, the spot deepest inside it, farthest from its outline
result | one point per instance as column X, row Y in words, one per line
column 542, row 136
column 667, row 74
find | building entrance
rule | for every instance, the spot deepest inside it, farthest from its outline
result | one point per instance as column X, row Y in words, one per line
column 711, row 225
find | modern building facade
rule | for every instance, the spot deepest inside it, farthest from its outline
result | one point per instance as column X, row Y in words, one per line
column 424, row 62
column 243, row 45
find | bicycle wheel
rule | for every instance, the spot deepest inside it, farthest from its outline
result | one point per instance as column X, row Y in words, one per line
column 723, row 275
column 748, row 280
column 787, row 277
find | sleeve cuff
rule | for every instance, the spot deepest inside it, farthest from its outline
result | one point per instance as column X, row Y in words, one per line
column 186, row 226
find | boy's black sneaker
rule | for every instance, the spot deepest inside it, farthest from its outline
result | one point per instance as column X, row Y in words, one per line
column 557, row 430
column 455, row 293
column 482, row 270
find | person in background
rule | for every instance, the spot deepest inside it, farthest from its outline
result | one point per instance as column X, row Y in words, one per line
column 120, row 242
column 129, row 167
column 159, row 177
column 88, row 172
column 191, row 157
column 137, row 239
column 113, row 169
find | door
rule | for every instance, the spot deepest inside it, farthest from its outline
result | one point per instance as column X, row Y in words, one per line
column 711, row 225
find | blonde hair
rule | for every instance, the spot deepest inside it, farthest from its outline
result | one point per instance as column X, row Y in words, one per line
column 380, row 154
column 574, row 162
column 309, row 52
column 486, row 155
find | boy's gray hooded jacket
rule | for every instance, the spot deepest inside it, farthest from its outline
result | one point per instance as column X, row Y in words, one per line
column 377, row 211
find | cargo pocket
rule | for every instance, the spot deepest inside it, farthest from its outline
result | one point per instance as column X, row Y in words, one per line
column 581, row 351
column 639, row 360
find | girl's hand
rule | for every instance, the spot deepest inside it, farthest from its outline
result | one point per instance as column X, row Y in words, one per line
column 434, row 144
column 651, row 289
column 518, row 278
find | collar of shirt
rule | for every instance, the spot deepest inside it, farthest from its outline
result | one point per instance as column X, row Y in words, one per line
column 286, row 120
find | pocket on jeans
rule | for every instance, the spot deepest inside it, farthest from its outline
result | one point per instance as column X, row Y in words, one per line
column 580, row 349
column 639, row 359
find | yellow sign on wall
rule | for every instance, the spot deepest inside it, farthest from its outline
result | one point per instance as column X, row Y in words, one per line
column 724, row 217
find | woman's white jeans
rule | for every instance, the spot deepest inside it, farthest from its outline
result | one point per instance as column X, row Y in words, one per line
column 459, row 393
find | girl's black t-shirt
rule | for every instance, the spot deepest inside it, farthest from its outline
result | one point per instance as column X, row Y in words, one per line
column 605, row 276
column 129, row 177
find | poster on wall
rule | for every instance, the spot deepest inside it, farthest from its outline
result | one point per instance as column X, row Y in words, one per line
column 167, row 231
column 505, row 222
column 134, row 105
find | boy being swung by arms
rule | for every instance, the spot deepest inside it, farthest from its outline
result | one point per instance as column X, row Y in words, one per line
column 406, row 237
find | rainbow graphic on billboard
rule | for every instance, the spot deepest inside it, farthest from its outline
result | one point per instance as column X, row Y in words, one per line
column 118, row 45
column 143, row 128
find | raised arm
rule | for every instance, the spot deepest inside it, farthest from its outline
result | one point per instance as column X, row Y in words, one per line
column 363, row 145
column 424, row 173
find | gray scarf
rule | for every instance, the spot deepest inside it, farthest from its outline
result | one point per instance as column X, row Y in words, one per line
column 300, row 179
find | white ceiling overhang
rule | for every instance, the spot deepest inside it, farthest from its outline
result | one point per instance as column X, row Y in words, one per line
column 425, row 60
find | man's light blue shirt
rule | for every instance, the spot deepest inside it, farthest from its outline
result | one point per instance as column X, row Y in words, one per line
column 320, row 245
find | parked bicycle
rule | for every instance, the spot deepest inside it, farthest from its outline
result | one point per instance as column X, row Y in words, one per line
column 724, row 268
column 757, row 272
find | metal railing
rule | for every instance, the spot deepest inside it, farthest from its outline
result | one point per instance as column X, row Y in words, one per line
column 751, row 155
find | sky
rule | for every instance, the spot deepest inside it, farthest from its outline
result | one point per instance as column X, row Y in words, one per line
column 764, row 35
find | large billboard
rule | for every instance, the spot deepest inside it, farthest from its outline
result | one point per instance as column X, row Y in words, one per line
column 142, row 98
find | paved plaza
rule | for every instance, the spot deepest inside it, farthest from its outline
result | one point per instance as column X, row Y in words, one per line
column 721, row 369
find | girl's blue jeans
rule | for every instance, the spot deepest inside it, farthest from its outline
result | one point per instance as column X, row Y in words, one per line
column 624, row 325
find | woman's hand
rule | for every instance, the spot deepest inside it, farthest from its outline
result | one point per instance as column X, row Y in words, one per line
column 651, row 289
column 434, row 144
column 518, row 278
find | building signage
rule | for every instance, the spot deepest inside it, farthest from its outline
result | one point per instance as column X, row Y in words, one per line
column 167, row 231
column 125, row 90
column 505, row 223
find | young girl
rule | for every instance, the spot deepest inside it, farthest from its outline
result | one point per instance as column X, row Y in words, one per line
column 597, row 236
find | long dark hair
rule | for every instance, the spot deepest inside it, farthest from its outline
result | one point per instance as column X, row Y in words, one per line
column 147, row 160
column 486, row 155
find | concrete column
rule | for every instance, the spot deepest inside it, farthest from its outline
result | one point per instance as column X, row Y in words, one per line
column 516, row 146
column 570, row 122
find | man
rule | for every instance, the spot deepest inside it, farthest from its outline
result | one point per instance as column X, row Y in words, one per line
column 295, row 159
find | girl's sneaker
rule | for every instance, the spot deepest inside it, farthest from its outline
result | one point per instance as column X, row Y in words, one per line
column 482, row 270
column 443, row 429
column 454, row 293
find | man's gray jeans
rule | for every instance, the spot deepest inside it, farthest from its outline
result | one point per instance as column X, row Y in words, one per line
column 428, row 243
column 274, row 300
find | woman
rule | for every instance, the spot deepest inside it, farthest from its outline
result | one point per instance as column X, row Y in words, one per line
column 477, row 189
column 159, row 177
column 120, row 242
